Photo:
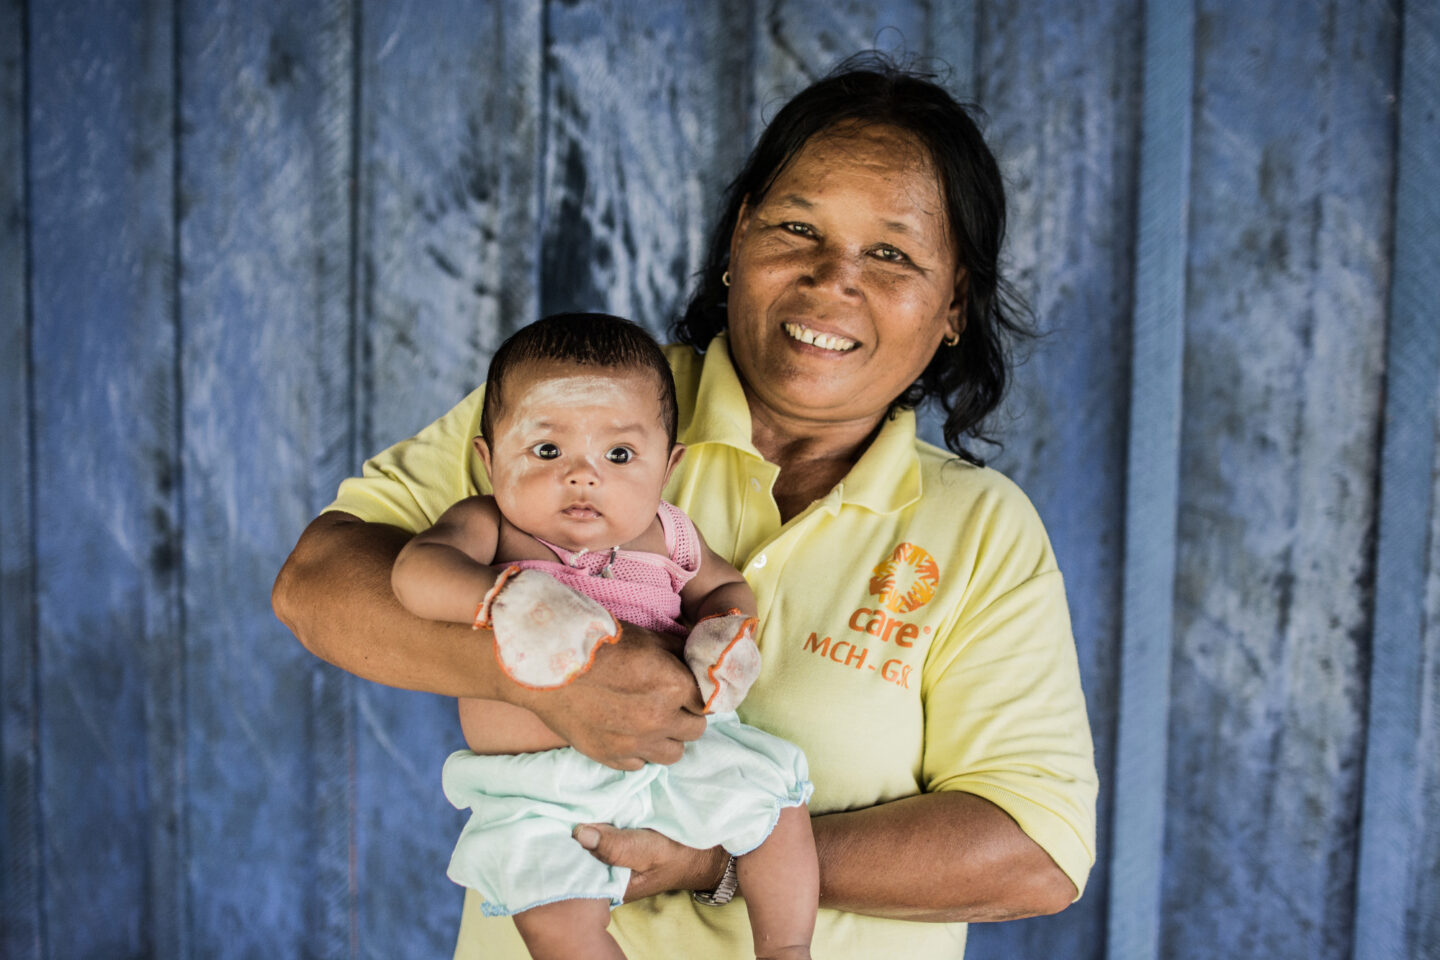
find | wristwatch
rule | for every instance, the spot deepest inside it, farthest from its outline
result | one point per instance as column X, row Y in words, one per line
column 724, row 890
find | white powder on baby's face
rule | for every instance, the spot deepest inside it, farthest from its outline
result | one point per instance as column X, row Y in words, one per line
column 580, row 390
column 585, row 404
column 554, row 464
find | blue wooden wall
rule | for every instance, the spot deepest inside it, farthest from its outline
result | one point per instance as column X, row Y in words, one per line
column 246, row 243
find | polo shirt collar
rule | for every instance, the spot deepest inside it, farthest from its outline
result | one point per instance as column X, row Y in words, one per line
column 721, row 413
column 886, row 479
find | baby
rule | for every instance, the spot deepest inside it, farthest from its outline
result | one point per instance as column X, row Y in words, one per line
column 578, row 436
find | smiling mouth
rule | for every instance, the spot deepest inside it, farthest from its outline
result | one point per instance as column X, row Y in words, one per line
column 825, row 341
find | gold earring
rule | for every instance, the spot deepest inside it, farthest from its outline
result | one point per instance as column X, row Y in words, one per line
column 725, row 278
column 952, row 339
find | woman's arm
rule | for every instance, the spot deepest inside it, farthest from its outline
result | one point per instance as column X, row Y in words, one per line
column 637, row 703
column 936, row 857
column 977, row 863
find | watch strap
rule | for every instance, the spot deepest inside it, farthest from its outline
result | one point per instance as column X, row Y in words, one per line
column 724, row 891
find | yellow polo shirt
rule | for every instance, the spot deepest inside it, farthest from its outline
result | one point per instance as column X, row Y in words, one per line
column 914, row 632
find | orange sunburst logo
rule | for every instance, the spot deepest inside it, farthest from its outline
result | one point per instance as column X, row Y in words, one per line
column 905, row 580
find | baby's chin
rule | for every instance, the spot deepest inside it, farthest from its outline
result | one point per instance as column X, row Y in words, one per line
column 592, row 534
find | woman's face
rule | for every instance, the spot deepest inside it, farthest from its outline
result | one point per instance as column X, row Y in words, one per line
column 843, row 278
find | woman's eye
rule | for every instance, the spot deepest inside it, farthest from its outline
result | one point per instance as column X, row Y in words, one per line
column 546, row 450
column 619, row 454
column 799, row 229
column 891, row 254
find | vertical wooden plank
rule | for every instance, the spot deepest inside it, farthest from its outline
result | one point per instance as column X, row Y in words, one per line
column 266, row 165
column 1152, row 482
column 105, row 394
column 21, row 928
column 451, row 204
column 644, row 127
column 1423, row 922
column 450, row 149
column 799, row 41
column 1061, row 84
column 951, row 39
column 1393, row 875
column 1283, row 367
column 167, row 888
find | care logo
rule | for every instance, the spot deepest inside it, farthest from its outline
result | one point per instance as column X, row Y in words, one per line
column 905, row 580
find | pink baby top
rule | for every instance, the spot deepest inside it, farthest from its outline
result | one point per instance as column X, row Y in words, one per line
column 635, row 586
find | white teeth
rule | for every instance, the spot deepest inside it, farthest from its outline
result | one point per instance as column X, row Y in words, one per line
column 825, row 341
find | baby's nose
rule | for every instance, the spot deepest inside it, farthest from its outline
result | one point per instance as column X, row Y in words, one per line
column 582, row 474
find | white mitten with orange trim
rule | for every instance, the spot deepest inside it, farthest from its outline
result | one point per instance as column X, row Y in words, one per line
column 721, row 652
column 545, row 633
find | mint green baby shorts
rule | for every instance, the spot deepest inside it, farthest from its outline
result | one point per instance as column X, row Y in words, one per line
column 516, row 850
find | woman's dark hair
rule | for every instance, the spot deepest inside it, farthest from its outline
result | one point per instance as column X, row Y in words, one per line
column 967, row 380
column 586, row 339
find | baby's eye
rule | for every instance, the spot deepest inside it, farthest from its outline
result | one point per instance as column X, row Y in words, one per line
column 545, row 450
column 619, row 454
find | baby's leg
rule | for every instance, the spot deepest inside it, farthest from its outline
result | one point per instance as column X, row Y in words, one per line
column 781, row 883
column 569, row 928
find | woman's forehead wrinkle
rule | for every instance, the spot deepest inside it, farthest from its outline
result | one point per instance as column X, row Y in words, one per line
column 885, row 151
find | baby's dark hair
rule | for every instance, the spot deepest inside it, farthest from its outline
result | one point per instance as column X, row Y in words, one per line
column 586, row 339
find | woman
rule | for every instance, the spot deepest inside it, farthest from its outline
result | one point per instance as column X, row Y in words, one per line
column 914, row 628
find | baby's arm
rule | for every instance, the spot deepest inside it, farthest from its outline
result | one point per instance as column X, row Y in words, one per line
column 716, row 588
column 721, row 649
column 443, row 573
column 546, row 634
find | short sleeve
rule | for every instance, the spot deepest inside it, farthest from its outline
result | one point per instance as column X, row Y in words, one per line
column 1005, row 716
column 411, row 483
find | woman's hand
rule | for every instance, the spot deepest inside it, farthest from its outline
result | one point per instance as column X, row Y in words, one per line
column 638, row 703
column 657, row 863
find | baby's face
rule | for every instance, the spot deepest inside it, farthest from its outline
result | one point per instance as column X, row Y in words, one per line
column 579, row 454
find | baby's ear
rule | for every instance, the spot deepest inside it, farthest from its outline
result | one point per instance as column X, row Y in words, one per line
column 676, row 452
column 483, row 449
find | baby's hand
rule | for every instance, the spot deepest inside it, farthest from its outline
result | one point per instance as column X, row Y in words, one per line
column 722, row 654
column 545, row 633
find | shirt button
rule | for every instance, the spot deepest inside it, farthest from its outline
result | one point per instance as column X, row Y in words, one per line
column 755, row 482
column 758, row 562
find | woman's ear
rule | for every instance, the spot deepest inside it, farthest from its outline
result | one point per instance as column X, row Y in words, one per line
column 955, row 317
column 483, row 449
column 742, row 224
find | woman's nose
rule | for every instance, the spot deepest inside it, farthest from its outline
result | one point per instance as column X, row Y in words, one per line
column 833, row 270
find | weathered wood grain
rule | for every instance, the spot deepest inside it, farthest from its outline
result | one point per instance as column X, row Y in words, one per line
column 268, row 425
column 450, row 152
column 1397, row 887
column 1152, row 483
column 451, row 96
column 1422, row 919
column 643, row 128
column 1064, row 124
column 107, row 525
column 1283, row 371
column 799, row 41
column 21, row 880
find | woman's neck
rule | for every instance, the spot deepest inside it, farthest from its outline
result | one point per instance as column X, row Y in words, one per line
column 812, row 455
